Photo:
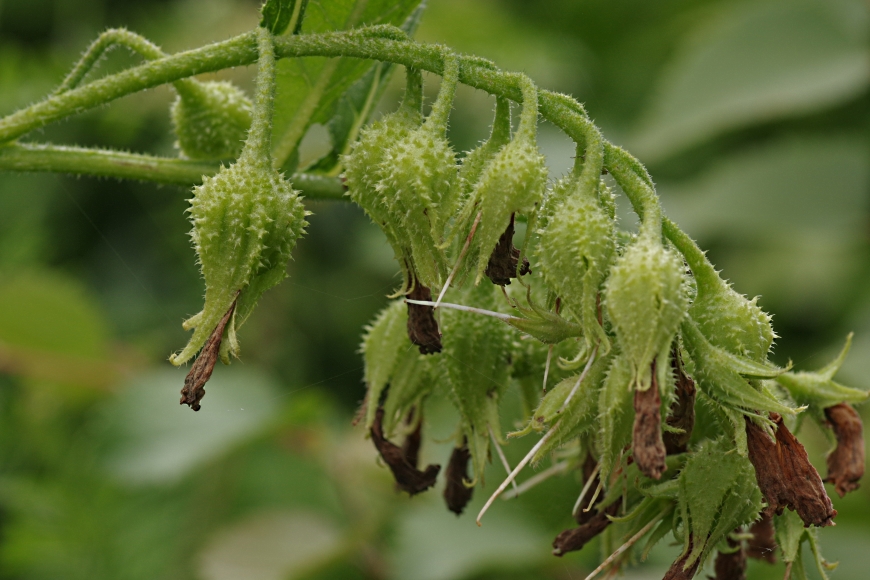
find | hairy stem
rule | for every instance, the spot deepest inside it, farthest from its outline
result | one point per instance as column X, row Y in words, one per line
column 123, row 165
column 258, row 147
column 561, row 110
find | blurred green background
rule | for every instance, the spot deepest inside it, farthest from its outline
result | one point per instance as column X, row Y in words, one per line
column 753, row 117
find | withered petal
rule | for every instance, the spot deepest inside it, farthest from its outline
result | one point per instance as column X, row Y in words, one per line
column 731, row 565
column 762, row 545
column 503, row 261
column 785, row 475
column 422, row 326
column 648, row 448
column 408, row 478
column 682, row 411
column 678, row 570
column 412, row 442
column 200, row 371
column 846, row 461
column 456, row 493
column 575, row 538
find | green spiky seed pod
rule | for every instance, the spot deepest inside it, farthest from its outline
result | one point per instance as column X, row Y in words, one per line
column 361, row 173
column 475, row 356
column 472, row 167
column 577, row 245
column 646, row 302
column 513, row 182
column 382, row 343
column 728, row 319
column 210, row 119
column 418, row 182
column 390, row 359
column 246, row 220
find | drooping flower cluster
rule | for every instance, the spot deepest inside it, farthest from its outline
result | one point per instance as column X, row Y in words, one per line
column 638, row 332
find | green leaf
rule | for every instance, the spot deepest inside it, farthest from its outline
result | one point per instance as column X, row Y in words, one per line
column 817, row 389
column 789, row 533
column 754, row 62
column 409, row 383
column 355, row 106
column 578, row 416
column 719, row 493
column 308, row 88
column 822, row 565
column 279, row 14
column 615, row 413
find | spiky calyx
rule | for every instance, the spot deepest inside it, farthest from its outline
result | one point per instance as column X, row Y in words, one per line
column 246, row 220
column 646, row 303
column 418, row 173
column 475, row 358
column 210, row 119
column 577, row 245
column 362, row 175
column 512, row 183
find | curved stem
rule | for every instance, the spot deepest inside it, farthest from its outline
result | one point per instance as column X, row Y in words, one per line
column 258, row 147
column 237, row 51
column 123, row 165
column 501, row 124
column 529, row 119
column 437, row 119
column 413, row 97
column 702, row 269
column 103, row 163
column 561, row 110
column 637, row 186
column 107, row 40
column 242, row 50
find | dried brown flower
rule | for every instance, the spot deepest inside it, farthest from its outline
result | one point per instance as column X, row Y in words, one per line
column 422, row 326
column 682, row 411
column 575, row 538
column 456, row 493
column 786, row 476
column 762, row 545
column 408, row 477
column 731, row 565
column 846, row 461
column 200, row 371
column 648, row 448
column 505, row 257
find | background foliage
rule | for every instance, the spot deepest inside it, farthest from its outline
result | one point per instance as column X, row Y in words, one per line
column 753, row 116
